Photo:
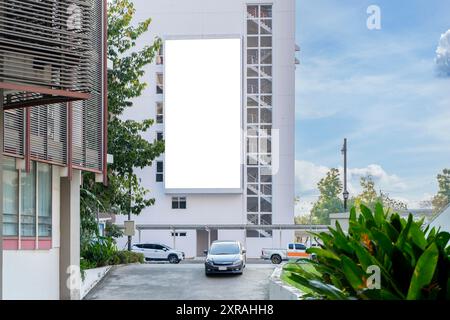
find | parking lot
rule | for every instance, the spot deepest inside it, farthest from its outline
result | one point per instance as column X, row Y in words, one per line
column 185, row 281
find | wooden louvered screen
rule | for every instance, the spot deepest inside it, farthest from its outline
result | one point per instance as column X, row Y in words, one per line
column 45, row 44
column 49, row 123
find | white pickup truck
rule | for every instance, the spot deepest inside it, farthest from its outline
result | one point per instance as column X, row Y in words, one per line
column 293, row 251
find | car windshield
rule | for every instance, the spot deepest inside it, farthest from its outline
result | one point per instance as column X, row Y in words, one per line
column 224, row 248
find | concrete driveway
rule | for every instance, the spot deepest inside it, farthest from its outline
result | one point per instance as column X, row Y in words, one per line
column 185, row 281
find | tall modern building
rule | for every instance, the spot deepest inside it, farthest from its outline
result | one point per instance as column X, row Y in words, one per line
column 52, row 120
column 222, row 95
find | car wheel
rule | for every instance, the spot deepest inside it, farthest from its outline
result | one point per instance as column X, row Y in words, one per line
column 276, row 259
column 207, row 273
column 173, row 259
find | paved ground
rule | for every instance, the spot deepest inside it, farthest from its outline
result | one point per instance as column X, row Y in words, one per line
column 185, row 281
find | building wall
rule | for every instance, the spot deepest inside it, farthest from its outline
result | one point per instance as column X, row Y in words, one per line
column 206, row 18
column 34, row 274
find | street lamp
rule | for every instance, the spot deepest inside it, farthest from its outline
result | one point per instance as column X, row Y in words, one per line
column 345, row 193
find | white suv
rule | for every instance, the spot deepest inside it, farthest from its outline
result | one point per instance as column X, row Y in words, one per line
column 158, row 252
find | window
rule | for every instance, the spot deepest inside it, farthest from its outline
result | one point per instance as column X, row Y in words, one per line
column 159, row 171
column 159, row 113
column 28, row 202
column 148, row 246
column 44, row 200
column 159, row 136
column 158, row 247
column 179, row 234
column 178, row 202
column 36, row 188
column 299, row 246
column 291, row 246
column 252, row 204
column 10, row 197
column 160, row 56
column 159, row 83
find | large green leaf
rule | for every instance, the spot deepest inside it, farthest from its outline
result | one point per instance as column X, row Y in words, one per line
column 326, row 290
column 383, row 242
column 379, row 214
column 423, row 272
column 323, row 253
column 367, row 213
column 353, row 273
column 417, row 236
column 404, row 233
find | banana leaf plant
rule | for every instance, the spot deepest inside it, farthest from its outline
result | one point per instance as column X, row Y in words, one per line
column 382, row 257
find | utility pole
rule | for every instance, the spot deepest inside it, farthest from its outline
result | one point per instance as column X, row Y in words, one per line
column 345, row 194
column 129, row 209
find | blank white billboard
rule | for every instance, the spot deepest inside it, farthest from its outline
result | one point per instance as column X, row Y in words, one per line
column 202, row 101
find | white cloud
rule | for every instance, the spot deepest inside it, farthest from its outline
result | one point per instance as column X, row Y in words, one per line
column 308, row 174
column 443, row 54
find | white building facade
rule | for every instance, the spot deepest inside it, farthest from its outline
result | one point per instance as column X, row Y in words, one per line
column 267, row 33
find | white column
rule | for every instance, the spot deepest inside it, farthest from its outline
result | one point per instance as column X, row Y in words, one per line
column 69, row 255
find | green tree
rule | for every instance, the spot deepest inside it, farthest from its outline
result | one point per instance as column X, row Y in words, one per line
column 442, row 198
column 368, row 194
column 330, row 188
column 125, row 141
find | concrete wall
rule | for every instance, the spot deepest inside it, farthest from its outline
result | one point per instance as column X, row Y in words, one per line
column 29, row 275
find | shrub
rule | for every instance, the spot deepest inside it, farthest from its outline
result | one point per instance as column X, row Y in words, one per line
column 413, row 263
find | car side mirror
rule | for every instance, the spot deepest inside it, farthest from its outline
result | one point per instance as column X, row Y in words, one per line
column 244, row 251
column 205, row 252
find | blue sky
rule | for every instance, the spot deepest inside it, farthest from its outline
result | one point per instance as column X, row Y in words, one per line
column 378, row 88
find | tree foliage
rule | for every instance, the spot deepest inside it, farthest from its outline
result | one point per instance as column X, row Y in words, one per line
column 330, row 188
column 441, row 200
column 125, row 137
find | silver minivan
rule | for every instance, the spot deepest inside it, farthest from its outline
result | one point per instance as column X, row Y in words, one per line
column 225, row 257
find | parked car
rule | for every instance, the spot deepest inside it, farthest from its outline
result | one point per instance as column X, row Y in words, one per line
column 158, row 252
column 277, row 255
column 225, row 257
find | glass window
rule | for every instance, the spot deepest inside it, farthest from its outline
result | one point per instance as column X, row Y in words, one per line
column 299, row 246
column 159, row 112
column 265, row 26
column 252, row 159
column 291, row 246
column 252, row 27
column 159, row 136
column 28, row 201
column 266, row 204
column 265, row 145
column 265, row 160
column 252, row 115
column 266, row 11
column 252, row 131
column 159, row 83
column 252, row 56
column 252, row 42
column 252, row 204
column 160, row 56
column 266, row 71
column 266, row 86
column 266, row 41
column 10, row 197
column 266, row 101
column 252, row 86
column 252, row 72
column 266, row 115
column 266, row 189
column 252, row 234
column 179, row 202
column 252, row 145
column 266, row 174
column 252, row 218
column 252, row 175
column 253, row 11
column 252, row 101
column 252, row 189
column 159, row 171
column 266, row 219
column 45, row 200
column 266, row 56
